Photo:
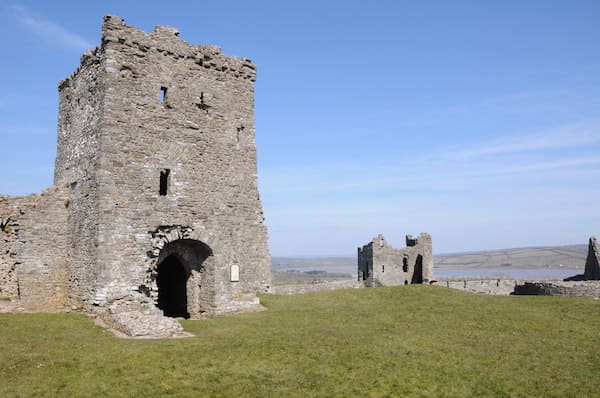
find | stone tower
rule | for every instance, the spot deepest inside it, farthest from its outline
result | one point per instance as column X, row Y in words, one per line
column 157, row 157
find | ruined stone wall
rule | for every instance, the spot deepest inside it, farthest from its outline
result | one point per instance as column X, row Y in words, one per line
column 10, row 227
column 382, row 265
column 502, row 287
column 592, row 263
column 316, row 287
column 164, row 105
column 588, row 289
column 34, row 263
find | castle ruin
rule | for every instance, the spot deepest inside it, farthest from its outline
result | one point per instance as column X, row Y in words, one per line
column 592, row 263
column 379, row 264
column 155, row 200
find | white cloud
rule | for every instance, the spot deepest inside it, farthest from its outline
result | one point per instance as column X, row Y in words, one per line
column 568, row 136
column 50, row 31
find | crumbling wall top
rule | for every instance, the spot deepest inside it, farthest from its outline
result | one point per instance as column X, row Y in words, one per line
column 166, row 31
column 166, row 39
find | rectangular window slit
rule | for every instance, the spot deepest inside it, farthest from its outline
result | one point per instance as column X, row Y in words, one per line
column 162, row 97
column 164, row 181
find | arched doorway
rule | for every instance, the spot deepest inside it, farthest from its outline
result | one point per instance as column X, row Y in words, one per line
column 171, row 281
column 181, row 279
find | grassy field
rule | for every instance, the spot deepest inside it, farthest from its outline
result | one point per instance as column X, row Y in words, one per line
column 407, row 341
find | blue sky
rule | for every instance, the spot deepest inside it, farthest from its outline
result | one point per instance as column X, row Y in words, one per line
column 478, row 122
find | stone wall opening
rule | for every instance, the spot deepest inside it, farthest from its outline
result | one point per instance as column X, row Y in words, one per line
column 171, row 281
column 418, row 273
column 179, row 277
column 162, row 96
column 164, row 181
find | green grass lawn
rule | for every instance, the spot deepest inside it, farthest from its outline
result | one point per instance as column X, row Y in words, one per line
column 406, row 341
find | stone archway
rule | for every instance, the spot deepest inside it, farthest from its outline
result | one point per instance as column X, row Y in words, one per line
column 171, row 281
column 175, row 248
column 180, row 278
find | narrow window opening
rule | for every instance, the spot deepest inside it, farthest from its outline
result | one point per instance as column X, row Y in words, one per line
column 405, row 264
column 382, row 269
column 203, row 105
column 164, row 181
column 162, row 97
column 239, row 130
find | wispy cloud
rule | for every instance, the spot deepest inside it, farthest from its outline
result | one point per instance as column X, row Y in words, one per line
column 568, row 136
column 49, row 30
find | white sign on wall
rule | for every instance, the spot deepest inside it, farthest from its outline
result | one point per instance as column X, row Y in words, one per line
column 235, row 273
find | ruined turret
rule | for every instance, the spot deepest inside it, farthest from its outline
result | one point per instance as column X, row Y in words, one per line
column 592, row 264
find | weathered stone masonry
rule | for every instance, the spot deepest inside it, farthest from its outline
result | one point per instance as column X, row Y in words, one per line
column 155, row 184
column 379, row 264
column 33, row 243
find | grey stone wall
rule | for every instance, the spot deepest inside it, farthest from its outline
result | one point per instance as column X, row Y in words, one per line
column 34, row 263
column 501, row 287
column 588, row 289
column 10, row 228
column 379, row 264
column 81, row 104
column 592, row 264
column 316, row 287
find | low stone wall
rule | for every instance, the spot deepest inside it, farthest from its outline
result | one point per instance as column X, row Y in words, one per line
column 589, row 289
column 316, row 287
column 502, row 287
column 507, row 287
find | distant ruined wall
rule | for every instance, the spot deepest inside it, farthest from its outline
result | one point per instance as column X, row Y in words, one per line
column 588, row 289
column 502, row 287
column 34, row 259
column 592, row 263
column 316, row 287
column 379, row 264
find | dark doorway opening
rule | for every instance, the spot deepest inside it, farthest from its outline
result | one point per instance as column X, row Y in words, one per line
column 171, row 281
column 418, row 274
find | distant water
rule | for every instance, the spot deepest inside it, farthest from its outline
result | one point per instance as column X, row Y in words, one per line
column 498, row 272
column 508, row 273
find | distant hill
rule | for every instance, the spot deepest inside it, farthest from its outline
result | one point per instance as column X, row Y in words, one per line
column 572, row 256
column 329, row 264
